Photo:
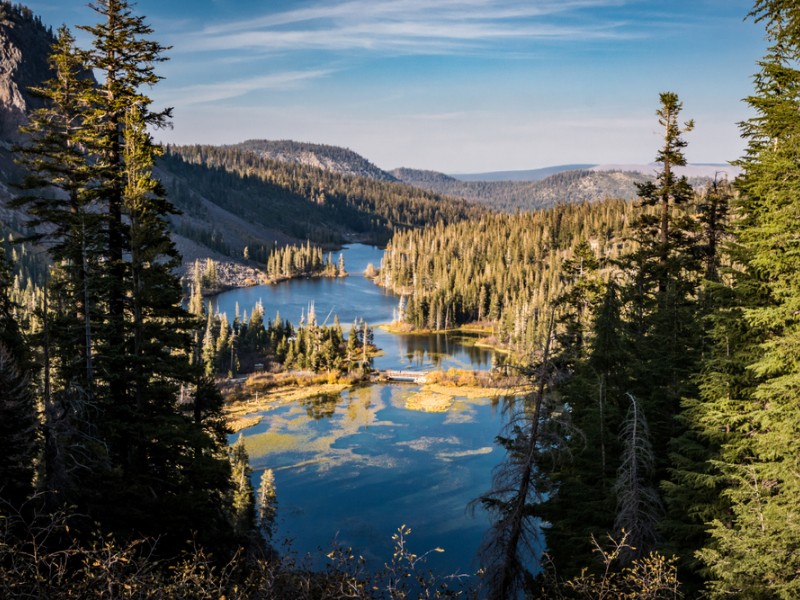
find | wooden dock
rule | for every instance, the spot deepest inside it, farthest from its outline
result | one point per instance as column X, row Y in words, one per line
column 413, row 376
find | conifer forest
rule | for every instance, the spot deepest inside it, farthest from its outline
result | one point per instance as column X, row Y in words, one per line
column 654, row 454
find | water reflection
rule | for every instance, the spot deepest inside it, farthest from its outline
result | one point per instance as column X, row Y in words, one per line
column 355, row 297
column 360, row 465
column 322, row 406
column 356, row 466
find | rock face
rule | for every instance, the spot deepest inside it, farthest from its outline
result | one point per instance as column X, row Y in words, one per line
column 24, row 47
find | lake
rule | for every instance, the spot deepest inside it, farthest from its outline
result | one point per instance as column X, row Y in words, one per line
column 354, row 467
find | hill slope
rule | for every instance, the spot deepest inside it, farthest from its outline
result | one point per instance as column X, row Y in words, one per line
column 328, row 158
column 298, row 201
column 252, row 195
column 580, row 185
column 566, row 186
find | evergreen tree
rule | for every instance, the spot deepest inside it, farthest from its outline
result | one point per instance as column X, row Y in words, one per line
column 643, row 343
column 511, row 546
column 753, row 548
column 267, row 504
column 583, row 507
column 58, row 198
column 662, row 293
column 18, row 420
column 243, row 515
column 151, row 450
column 639, row 507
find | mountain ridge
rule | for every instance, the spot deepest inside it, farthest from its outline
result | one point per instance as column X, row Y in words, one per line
column 336, row 159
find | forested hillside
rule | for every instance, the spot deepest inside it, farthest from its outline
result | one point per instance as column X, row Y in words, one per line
column 330, row 158
column 566, row 186
column 301, row 201
column 572, row 185
column 502, row 271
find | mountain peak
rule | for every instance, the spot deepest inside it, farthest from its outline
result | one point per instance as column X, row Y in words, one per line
column 330, row 158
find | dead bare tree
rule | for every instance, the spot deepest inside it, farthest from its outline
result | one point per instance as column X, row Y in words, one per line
column 639, row 507
column 512, row 545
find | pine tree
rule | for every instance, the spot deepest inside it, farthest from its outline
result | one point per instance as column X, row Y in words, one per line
column 125, row 59
column 243, row 515
column 662, row 293
column 58, row 198
column 753, row 548
column 19, row 432
column 152, row 450
column 584, row 505
column 639, row 507
column 510, row 547
column 267, row 504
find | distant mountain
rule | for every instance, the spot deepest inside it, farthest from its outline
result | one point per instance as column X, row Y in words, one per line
column 416, row 176
column 24, row 47
column 527, row 175
column 252, row 195
column 562, row 186
column 708, row 170
column 691, row 171
column 329, row 158
column 23, row 64
column 232, row 197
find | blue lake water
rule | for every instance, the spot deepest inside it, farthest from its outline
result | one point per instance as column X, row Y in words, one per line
column 357, row 297
column 354, row 467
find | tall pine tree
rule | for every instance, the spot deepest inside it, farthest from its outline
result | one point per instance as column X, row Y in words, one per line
column 19, row 430
column 151, row 431
column 753, row 414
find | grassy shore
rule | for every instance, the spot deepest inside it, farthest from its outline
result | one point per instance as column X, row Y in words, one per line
column 266, row 391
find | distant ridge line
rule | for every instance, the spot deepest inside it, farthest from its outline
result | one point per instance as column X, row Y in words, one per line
column 524, row 175
column 690, row 170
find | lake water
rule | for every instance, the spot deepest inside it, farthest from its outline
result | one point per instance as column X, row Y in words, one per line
column 354, row 467
column 357, row 297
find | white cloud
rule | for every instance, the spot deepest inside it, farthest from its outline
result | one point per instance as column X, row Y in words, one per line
column 224, row 90
column 410, row 26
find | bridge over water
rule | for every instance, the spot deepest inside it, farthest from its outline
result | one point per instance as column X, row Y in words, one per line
column 393, row 375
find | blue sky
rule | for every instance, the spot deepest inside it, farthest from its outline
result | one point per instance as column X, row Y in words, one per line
column 452, row 85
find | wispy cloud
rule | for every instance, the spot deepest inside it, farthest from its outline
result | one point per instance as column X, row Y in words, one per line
column 224, row 90
column 413, row 26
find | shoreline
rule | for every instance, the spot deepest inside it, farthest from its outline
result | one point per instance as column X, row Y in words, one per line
column 469, row 329
column 244, row 280
column 264, row 392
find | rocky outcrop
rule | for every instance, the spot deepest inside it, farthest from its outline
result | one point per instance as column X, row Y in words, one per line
column 25, row 44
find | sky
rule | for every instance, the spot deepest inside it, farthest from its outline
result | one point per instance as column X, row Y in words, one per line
column 458, row 86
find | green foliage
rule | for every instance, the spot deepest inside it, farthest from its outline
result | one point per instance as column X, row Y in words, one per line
column 294, row 261
column 243, row 509
column 134, row 436
column 300, row 201
column 502, row 270
column 641, row 341
column 267, row 505
column 19, row 440
column 747, row 413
